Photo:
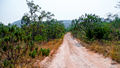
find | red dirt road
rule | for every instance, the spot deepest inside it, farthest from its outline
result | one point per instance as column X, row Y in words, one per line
column 71, row 54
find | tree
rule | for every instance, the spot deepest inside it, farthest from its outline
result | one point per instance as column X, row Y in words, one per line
column 25, row 19
column 33, row 9
column 118, row 5
column 33, row 16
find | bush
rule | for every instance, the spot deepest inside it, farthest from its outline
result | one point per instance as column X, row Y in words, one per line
column 33, row 53
column 45, row 52
column 91, row 31
column 89, row 34
column 31, row 45
column 101, row 33
column 6, row 63
column 38, row 38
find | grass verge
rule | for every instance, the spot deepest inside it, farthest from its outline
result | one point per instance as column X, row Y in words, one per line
column 107, row 48
column 52, row 46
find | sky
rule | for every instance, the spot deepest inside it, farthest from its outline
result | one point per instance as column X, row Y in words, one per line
column 13, row 10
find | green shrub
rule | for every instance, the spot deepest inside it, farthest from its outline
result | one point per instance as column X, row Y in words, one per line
column 6, row 63
column 18, row 47
column 101, row 33
column 6, row 38
column 12, row 66
column 89, row 34
column 45, row 52
column 33, row 53
column 38, row 38
column 31, row 45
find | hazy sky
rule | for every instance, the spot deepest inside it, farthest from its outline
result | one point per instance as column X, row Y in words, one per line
column 13, row 10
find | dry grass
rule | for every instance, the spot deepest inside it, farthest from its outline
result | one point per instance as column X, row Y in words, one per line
column 53, row 45
column 108, row 49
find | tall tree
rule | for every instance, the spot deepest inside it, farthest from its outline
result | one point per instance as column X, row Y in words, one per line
column 35, row 14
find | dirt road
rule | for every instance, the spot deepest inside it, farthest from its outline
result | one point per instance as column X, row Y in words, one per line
column 71, row 54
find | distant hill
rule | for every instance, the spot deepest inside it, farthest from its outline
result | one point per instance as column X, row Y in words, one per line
column 17, row 23
column 66, row 23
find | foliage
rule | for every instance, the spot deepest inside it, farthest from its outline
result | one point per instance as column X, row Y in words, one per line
column 6, row 63
column 45, row 52
column 35, row 14
column 91, row 27
column 11, row 38
column 33, row 53
column 18, row 42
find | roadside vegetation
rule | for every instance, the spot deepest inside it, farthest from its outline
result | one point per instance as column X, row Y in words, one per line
column 100, row 35
column 20, row 45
